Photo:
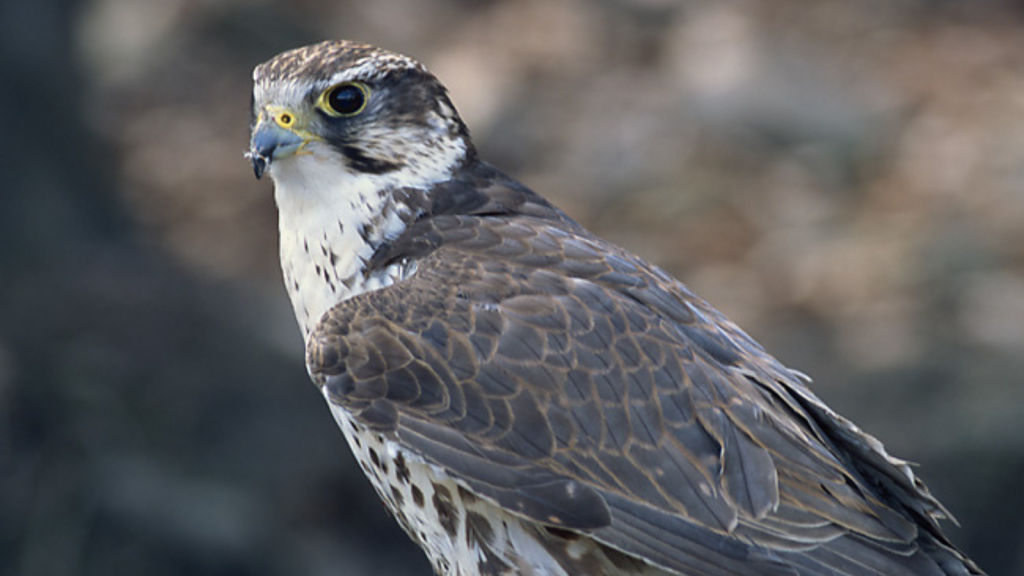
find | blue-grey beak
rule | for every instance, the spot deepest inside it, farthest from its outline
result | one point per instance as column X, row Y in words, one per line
column 269, row 142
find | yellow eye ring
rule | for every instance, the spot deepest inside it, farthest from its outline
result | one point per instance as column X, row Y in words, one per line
column 344, row 99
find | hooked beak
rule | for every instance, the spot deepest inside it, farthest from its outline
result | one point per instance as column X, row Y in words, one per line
column 270, row 142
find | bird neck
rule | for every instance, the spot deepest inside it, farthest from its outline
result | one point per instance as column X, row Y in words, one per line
column 331, row 221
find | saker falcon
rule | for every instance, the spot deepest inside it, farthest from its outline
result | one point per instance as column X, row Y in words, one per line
column 527, row 398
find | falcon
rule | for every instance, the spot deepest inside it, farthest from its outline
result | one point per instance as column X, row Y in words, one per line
column 527, row 398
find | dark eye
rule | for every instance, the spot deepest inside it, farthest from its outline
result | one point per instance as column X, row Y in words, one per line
column 345, row 99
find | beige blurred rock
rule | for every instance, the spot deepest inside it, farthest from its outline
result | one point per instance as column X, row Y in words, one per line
column 992, row 309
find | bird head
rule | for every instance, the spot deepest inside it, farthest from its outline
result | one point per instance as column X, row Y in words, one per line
column 353, row 110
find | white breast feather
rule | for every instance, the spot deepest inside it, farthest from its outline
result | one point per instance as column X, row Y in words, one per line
column 323, row 205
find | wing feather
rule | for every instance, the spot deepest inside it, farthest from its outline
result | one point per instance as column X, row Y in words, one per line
column 573, row 384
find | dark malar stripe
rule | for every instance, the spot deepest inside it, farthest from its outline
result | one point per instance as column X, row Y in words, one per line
column 360, row 162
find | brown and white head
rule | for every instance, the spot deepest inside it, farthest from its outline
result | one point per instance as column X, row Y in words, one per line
column 346, row 131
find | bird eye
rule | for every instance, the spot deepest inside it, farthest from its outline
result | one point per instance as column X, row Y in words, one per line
column 345, row 99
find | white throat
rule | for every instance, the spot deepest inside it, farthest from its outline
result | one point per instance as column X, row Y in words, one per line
column 331, row 221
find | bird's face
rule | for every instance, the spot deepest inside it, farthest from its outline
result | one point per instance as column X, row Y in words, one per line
column 353, row 111
column 355, row 138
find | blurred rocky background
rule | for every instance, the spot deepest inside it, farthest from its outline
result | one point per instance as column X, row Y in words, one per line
column 844, row 179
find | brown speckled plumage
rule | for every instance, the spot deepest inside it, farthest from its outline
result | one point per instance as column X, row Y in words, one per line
column 542, row 376
column 321, row 61
column 570, row 382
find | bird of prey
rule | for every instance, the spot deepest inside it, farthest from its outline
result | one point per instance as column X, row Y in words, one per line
column 527, row 398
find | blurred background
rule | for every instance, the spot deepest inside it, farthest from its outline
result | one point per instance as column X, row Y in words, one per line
column 843, row 179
